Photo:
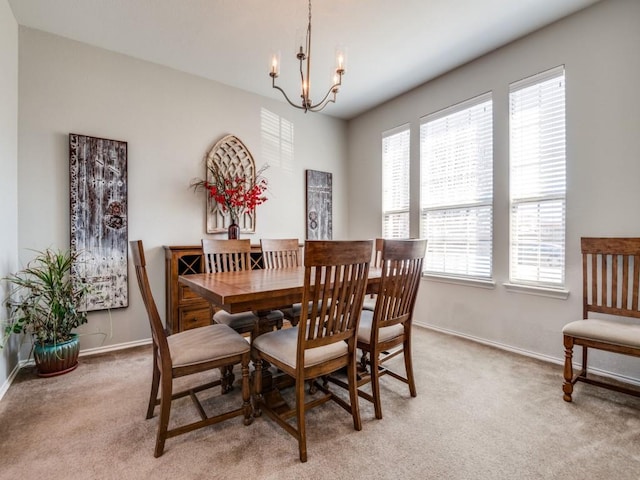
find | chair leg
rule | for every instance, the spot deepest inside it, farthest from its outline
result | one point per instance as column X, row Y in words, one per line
column 302, row 430
column 374, row 363
column 408, row 365
column 227, row 379
column 165, row 409
column 567, row 386
column 246, row 392
column 584, row 362
column 257, row 387
column 353, row 393
column 155, row 382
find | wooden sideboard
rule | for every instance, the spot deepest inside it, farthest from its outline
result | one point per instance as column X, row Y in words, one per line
column 185, row 309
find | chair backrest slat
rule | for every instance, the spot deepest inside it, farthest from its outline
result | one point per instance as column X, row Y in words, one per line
column 335, row 282
column 226, row 255
column 612, row 284
column 377, row 253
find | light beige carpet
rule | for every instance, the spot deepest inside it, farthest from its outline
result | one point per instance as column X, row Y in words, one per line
column 480, row 413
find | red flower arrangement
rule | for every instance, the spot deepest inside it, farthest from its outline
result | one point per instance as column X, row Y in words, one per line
column 236, row 195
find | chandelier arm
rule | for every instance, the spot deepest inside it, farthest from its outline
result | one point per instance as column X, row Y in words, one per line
column 273, row 84
column 324, row 101
column 315, row 109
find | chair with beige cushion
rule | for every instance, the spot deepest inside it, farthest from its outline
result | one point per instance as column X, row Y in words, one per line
column 335, row 282
column 283, row 253
column 186, row 353
column 233, row 256
column 385, row 332
column 610, row 313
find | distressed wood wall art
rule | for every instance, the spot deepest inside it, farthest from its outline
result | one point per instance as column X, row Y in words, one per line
column 319, row 205
column 98, row 192
column 233, row 159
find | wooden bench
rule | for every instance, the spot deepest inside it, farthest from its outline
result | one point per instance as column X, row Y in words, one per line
column 610, row 285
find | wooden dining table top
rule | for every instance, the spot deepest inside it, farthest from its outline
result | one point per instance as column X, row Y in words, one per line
column 256, row 290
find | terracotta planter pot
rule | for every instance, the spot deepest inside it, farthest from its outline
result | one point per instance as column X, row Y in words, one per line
column 57, row 359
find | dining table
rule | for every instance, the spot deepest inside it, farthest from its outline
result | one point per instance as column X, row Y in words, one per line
column 259, row 291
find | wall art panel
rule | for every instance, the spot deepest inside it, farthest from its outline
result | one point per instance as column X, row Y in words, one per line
column 319, row 205
column 98, row 192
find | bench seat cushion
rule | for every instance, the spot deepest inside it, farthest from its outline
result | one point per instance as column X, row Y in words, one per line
column 608, row 331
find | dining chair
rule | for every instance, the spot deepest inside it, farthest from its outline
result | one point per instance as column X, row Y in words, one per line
column 335, row 281
column 376, row 261
column 385, row 332
column 233, row 256
column 283, row 253
column 186, row 353
column 610, row 309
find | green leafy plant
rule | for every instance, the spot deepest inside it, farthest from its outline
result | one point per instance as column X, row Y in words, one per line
column 44, row 300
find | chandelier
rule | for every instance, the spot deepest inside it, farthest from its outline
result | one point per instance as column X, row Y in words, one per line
column 304, row 57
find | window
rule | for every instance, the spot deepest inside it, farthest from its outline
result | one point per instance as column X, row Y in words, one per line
column 395, row 183
column 456, row 197
column 538, row 179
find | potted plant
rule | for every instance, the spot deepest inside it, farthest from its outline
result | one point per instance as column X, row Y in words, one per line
column 44, row 301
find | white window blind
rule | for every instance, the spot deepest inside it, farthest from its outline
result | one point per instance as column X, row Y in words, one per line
column 456, row 197
column 395, row 183
column 538, row 179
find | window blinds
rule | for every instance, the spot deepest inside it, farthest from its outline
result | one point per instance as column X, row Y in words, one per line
column 456, row 197
column 395, row 183
column 538, row 179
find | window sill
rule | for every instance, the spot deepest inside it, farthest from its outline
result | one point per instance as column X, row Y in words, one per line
column 559, row 293
column 469, row 282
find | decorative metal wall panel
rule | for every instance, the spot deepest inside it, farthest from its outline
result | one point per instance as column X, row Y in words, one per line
column 319, row 205
column 98, row 191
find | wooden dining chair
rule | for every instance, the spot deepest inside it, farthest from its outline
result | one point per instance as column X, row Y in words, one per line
column 376, row 261
column 283, row 253
column 385, row 332
column 610, row 309
column 334, row 287
column 233, row 256
column 186, row 353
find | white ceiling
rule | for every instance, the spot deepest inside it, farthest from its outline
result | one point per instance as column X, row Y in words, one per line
column 393, row 45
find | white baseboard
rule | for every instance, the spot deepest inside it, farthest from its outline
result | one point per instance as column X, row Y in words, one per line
column 9, row 380
column 113, row 348
column 83, row 353
column 528, row 353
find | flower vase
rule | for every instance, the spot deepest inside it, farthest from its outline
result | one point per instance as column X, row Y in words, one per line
column 233, row 230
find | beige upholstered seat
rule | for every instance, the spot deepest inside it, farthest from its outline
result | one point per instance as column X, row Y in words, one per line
column 615, row 333
column 334, row 287
column 611, row 287
column 185, row 353
column 386, row 332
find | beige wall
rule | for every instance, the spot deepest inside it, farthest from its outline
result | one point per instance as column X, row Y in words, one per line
column 170, row 120
column 599, row 48
column 9, row 169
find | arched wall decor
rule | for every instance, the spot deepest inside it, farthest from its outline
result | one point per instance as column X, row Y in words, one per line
column 233, row 159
